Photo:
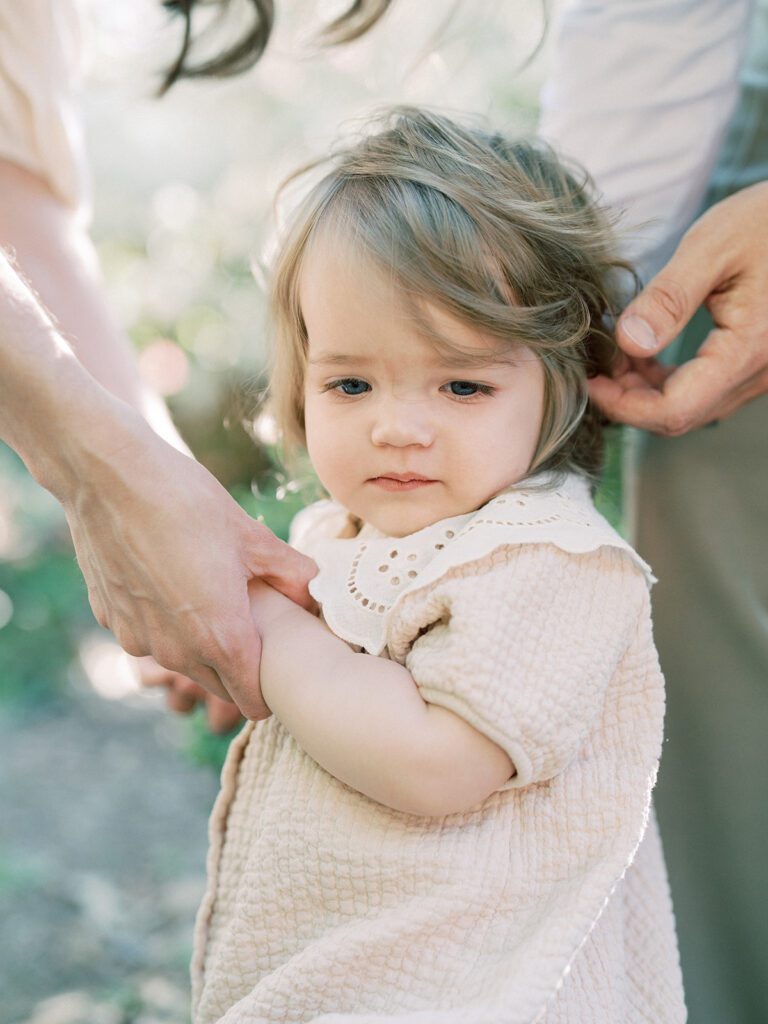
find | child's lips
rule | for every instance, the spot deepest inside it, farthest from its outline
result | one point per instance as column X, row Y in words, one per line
column 401, row 481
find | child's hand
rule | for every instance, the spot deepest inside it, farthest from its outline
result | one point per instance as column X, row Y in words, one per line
column 183, row 695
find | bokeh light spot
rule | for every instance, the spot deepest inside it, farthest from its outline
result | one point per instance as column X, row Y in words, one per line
column 164, row 366
column 107, row 667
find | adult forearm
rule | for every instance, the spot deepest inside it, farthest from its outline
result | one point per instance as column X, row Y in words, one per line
column 44, row 392
column 52, row 251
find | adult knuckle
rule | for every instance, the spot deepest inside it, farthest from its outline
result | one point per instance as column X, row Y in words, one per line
column 98, row 607
column 211, row 648
column 756, row 354
column 229, row 644
column 242, row 679
column 130, row 643
column 233, row 671
column 670, row 297
column 254, row 710
column 100, row 614
column 677, row 422
column 171, row 657
column 264, row 547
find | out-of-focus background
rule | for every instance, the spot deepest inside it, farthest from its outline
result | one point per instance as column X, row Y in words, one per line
column 104, row 794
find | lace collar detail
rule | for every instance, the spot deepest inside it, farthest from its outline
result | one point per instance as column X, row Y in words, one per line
column 362, row 579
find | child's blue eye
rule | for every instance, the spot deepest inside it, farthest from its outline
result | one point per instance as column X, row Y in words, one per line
column 468, row 388
column 350, row 386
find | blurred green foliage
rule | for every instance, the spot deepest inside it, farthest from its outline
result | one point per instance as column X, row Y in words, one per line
column 50, row 610
column 203, row 746
column 44, row 604
column 608, row 498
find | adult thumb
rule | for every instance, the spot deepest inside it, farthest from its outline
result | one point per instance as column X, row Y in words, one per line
column 277, row 563
column 663, row 308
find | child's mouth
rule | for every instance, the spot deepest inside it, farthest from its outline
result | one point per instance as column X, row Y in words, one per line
column 401, row 482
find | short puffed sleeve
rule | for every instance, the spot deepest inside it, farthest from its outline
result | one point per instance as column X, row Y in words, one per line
column 40, row 65
column 320, row 521
column 536, row 647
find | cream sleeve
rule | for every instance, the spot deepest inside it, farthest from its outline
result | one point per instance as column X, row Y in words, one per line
column 526, row 650
column 40, row 66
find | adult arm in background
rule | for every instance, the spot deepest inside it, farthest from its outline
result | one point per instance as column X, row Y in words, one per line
column 641, row 93
column 166, row 552
column 51, row 248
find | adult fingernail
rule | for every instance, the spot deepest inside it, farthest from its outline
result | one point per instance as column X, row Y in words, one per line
column 640, row 332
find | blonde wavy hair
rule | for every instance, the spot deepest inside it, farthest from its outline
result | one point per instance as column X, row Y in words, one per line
column 497, row 232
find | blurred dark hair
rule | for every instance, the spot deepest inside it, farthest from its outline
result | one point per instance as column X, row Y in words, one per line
column 250, row 45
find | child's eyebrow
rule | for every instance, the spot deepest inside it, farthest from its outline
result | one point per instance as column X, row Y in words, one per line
column 469, row 361
column 458, row 360
column 335, row 358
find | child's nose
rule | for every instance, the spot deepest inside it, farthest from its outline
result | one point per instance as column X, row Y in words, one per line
column 401, row 423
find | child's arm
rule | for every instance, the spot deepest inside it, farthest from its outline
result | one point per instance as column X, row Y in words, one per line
column 502, row 692
column 362, row 718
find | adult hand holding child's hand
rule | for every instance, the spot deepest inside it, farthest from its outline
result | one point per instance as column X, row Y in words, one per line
column 183, row 695
column 167, row 555
column 722, row 263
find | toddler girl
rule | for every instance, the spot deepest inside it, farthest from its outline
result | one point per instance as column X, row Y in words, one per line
column 447, row 818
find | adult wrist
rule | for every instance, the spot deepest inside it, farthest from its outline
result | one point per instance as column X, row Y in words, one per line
column 73, row 429
column 52, row 410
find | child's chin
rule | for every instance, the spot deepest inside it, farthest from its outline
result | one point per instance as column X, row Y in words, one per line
column 405, row 523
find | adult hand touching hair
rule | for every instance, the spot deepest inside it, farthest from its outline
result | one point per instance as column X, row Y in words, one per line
column 722, row 263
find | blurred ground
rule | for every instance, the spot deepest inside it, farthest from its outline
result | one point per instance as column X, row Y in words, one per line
column 102, row 852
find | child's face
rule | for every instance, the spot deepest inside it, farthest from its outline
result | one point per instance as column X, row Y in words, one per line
column 397, row 434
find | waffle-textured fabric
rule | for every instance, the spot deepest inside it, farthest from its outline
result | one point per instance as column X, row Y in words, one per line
column 547, row 903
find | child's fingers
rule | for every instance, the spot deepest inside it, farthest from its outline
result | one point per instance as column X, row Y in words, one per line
column 180, row 702
column 182, row 694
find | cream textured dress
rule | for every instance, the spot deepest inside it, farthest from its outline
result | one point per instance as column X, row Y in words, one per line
column 548, row 901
